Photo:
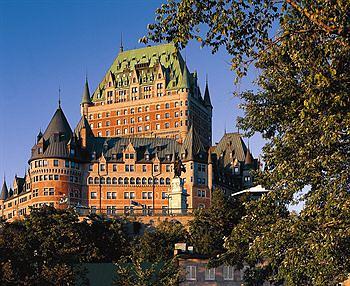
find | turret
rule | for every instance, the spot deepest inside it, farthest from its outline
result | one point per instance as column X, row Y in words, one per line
column 86, row 100
column 4, row 192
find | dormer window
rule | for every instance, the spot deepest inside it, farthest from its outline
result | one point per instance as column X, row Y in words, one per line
column 168, row 157
column 147, row 156
column 40, row 150
column 72, row 152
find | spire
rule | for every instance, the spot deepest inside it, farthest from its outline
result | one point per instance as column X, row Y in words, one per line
column 59, row 97
column 86, row 93
column 121, row 43
column 184, row 81
column 4, row 191
column 207, row 100
column 248, row 157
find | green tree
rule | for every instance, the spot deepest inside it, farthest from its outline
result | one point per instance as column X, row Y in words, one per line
column 157, row 244
column 302, row 49
column 152, row 259
column 211, row 226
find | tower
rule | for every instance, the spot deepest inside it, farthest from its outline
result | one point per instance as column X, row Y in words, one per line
column 85, row 101
column 209, row 107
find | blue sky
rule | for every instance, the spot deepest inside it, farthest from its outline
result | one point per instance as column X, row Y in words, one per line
column 47, row 44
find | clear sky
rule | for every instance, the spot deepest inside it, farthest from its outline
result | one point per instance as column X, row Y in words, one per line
column 47, row 44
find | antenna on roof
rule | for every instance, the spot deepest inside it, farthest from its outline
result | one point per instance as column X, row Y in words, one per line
column 121, row 42
column 59, row 97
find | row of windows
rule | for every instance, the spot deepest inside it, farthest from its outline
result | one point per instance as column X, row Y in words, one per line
column 128, row 195
column 140, row 119
column 127, row 181
column 133, row 110
column 139, row 129
column 229, row 273
column 46, row 192
column 45, row 178
column 131, row 168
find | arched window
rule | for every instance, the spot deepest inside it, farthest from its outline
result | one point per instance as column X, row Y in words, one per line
column 96, row 180
column 156, row 181
column 167, row 181
column 126, row 181
column 109, row 181
column 150, row 181
column 120, row 181
column 138, row 181
column 144, row 181
column 114, row 181
column 132, row 181
column 103, row 181
column 90, row 180
column 161, row 181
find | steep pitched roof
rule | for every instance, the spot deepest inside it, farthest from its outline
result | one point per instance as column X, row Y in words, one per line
column 207, row 100
column 184, row 79
column 58, row 124
column 83, row 123
column 86, row 93
column 165, row 55
column 248, row 158
column 4, row 192
column 192, row 145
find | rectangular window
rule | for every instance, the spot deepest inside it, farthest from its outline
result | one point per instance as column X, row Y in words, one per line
column 51, row 191
column 191, row 271
column 114, row 195
column 55, row 177
column 126, row 195
column 114, row 168
column 91, row 167
column 150, row 195
column 144, row 168
column 167, row 168
column 132, row 168
column 102, row 167
column 55, row 163
column 132, row 195
column 66, row 164
column 156, row 168
column 93, row 195
column 127, row 168
column 144, row 195
column 109, row 195
column 46, row 191
column 228, row 272
column 164, row 196
column 210, row 274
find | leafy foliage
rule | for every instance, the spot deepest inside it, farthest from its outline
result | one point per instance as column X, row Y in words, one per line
column 210, row 226
column 302, row 49
column 50, row 245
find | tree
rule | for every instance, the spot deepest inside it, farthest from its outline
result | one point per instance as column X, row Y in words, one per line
column 301, row 108
column 152, row 259
column 211, row 226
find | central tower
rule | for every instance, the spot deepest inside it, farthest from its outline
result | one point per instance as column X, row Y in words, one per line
column 149, row 92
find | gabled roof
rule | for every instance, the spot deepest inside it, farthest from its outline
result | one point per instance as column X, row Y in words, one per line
column 58, row 124
column 4, row 191
column 192, row 145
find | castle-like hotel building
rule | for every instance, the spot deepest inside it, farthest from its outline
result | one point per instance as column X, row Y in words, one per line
column 145, row 116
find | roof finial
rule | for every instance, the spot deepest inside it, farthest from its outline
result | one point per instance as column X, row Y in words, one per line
column 225, row 129
column 206, row 79
column 121, row 42
column 59, row 97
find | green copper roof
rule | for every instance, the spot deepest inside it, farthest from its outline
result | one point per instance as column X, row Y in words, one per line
column 143, row 61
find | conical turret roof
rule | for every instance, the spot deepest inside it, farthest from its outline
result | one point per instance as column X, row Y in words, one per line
column 86, row 93
column 248, row 158
column 58, row 124
column 4, row 191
